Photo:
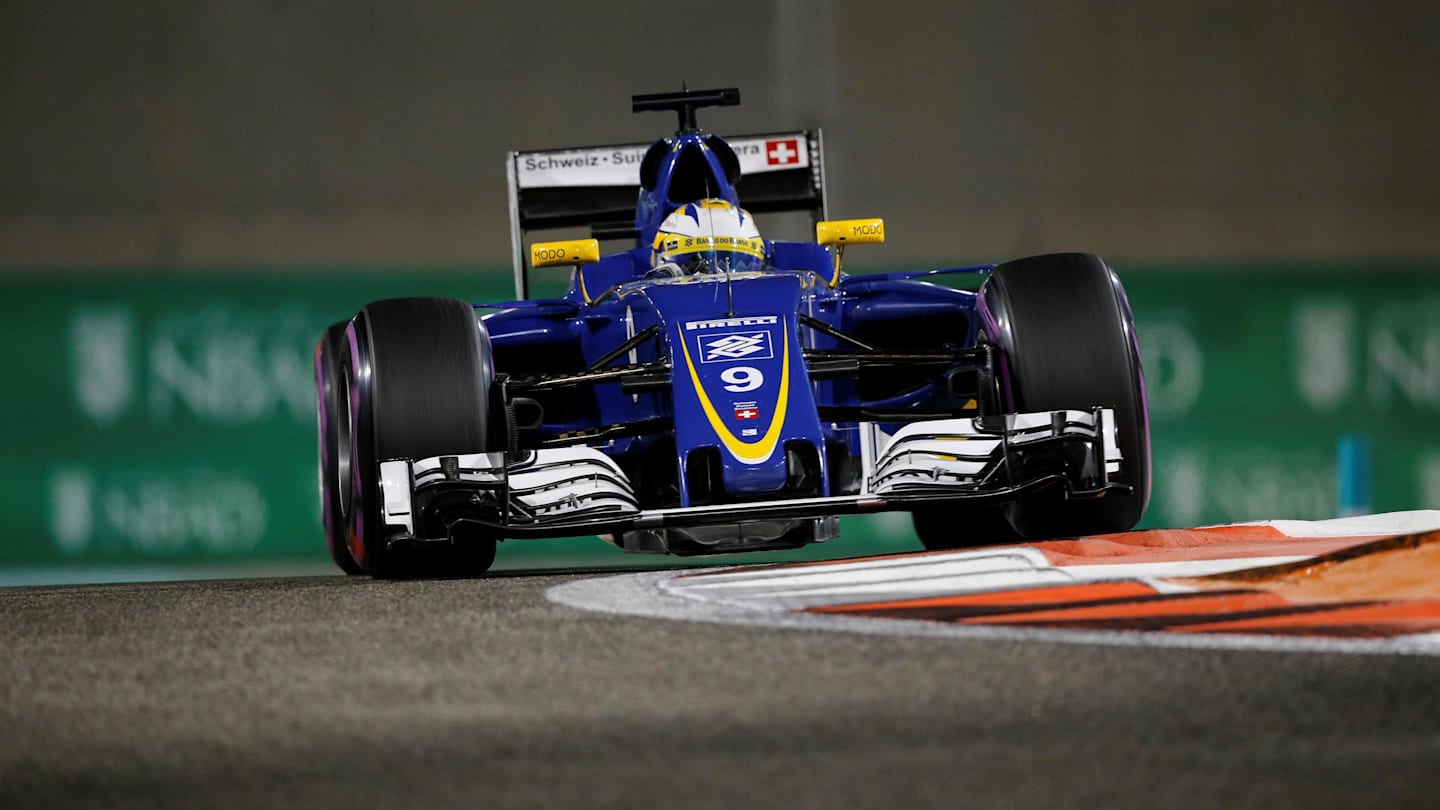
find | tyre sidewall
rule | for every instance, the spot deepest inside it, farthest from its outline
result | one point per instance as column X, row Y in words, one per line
column 362, row 519
column 327, row 395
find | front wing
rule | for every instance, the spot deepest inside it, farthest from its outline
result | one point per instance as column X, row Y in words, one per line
column 568, row 491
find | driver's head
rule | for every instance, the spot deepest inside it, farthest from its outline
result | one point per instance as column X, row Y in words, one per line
column 710, row 236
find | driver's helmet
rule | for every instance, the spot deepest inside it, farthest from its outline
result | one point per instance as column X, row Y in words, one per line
column 709, row 236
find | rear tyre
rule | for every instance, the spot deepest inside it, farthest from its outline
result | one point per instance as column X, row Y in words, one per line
column 1064, row 329
column 330, row 421
column 417, row 377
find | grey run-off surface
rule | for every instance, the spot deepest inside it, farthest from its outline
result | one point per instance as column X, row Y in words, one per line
column 323, row 691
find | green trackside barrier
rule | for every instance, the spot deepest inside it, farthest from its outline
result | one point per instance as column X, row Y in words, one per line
column 158, row 419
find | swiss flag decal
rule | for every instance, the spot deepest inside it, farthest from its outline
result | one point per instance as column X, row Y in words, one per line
column 782, row 152
column 746, row 413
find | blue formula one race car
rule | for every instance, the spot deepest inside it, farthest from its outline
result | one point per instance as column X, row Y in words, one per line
column 707, row 390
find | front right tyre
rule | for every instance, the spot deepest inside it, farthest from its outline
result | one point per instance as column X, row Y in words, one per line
column 415, row 382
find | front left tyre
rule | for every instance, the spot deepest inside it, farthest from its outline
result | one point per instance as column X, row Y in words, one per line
column 1064, row 328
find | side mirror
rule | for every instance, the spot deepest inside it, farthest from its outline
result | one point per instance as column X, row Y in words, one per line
column 573, row 252
column 850, row 231
column 842, row 232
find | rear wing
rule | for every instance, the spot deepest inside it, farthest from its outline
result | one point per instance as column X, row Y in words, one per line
column 597, row 187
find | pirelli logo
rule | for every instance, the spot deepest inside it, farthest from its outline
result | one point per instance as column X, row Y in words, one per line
column 720, row 323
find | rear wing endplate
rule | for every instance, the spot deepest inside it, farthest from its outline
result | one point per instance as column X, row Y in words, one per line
column 597, row 186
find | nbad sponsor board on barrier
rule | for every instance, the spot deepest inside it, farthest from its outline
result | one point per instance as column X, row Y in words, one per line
column 171, row 417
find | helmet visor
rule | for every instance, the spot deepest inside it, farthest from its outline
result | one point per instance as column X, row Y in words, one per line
column 714, row 254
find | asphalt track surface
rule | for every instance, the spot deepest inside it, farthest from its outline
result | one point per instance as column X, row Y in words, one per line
column 329, row 691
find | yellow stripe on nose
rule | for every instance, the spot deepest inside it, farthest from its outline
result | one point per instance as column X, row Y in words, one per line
column 759, row 451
